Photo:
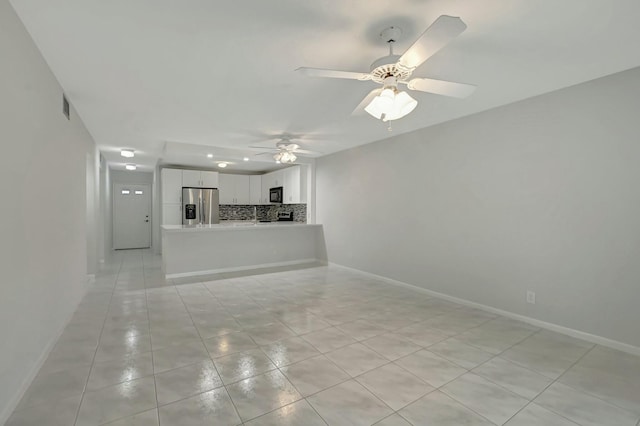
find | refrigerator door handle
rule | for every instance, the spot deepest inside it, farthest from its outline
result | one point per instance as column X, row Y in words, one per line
column 204, row 218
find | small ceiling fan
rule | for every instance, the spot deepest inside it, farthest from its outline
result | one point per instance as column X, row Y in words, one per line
column 387, row 102
column 285, row 151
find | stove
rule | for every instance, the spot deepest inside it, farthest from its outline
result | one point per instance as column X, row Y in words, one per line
column 285, row 217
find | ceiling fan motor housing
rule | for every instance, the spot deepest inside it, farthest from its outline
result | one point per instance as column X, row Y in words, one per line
column 388, row 66
column 288, row 146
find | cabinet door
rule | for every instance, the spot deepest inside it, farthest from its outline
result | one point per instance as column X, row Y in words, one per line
column 226, row 188
column 255, row 189
column 191, row 178
column 209, row 179
column 172, row 214
column 277, row 178
column 171, row 186
column 242, row 189
column 291, row 190
column 265, row 188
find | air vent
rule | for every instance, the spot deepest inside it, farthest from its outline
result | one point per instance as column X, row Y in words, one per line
column 65, row 107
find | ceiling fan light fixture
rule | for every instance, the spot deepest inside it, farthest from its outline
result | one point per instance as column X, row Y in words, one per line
column 285, row 157
column 290, row 157
column 391, row 105
column 404, row 104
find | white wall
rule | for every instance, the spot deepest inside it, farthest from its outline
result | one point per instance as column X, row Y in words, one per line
column 540, row 195
column 93, row 213
column 43, row 243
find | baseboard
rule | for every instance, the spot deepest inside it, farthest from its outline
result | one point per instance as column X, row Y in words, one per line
column 242, row 268
column 22, row 389
column 599, row 340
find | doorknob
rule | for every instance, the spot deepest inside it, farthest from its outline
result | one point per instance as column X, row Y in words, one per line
column 147, row 220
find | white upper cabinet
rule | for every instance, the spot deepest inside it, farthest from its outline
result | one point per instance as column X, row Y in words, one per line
column 209, row 179
column 291, row 190
column 255, row 189
column 171, row 186
column 234, row 189
column 191, row 178
column 243, row 192
column 264, row 195
column 273, row 179
column 227, row 189
column 199, row 179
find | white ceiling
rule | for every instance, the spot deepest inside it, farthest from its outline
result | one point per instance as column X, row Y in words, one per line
column 154, row 74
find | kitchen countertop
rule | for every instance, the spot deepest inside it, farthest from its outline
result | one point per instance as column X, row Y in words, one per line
column 233, row 225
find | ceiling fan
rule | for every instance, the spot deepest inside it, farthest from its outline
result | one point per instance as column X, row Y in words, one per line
column 387, row 102
column 285, row 151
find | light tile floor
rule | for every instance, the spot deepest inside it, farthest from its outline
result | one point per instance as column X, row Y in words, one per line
column 309, row 347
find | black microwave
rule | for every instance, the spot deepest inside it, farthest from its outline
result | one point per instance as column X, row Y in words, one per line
column 275, row 195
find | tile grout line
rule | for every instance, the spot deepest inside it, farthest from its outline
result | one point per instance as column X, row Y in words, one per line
column 267, row 306
column 210, row 357
column 153, row 365
column 470, row 371
column 98, row 344
column 531, row 401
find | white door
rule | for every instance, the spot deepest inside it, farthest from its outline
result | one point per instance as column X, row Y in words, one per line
column 131, row 216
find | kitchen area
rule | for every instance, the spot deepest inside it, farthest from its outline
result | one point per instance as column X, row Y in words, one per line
column 215, row 222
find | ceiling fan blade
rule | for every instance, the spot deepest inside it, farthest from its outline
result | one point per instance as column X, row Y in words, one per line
column 304, row 151
column 439, row 34
column 268, row 148
column 319, row 72
column 359, row 110
column 441, row 87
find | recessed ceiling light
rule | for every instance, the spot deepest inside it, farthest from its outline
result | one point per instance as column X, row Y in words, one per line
column 245, row 159
column 222, row 165
column 130, row 166
column 128, row 153
column 209, row 155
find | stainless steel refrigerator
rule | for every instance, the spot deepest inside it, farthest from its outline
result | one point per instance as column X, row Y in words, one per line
column 200, row 206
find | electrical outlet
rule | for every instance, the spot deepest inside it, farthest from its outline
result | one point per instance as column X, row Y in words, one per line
column 531, row 297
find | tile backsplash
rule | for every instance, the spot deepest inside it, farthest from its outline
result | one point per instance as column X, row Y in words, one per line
column 264, row 212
